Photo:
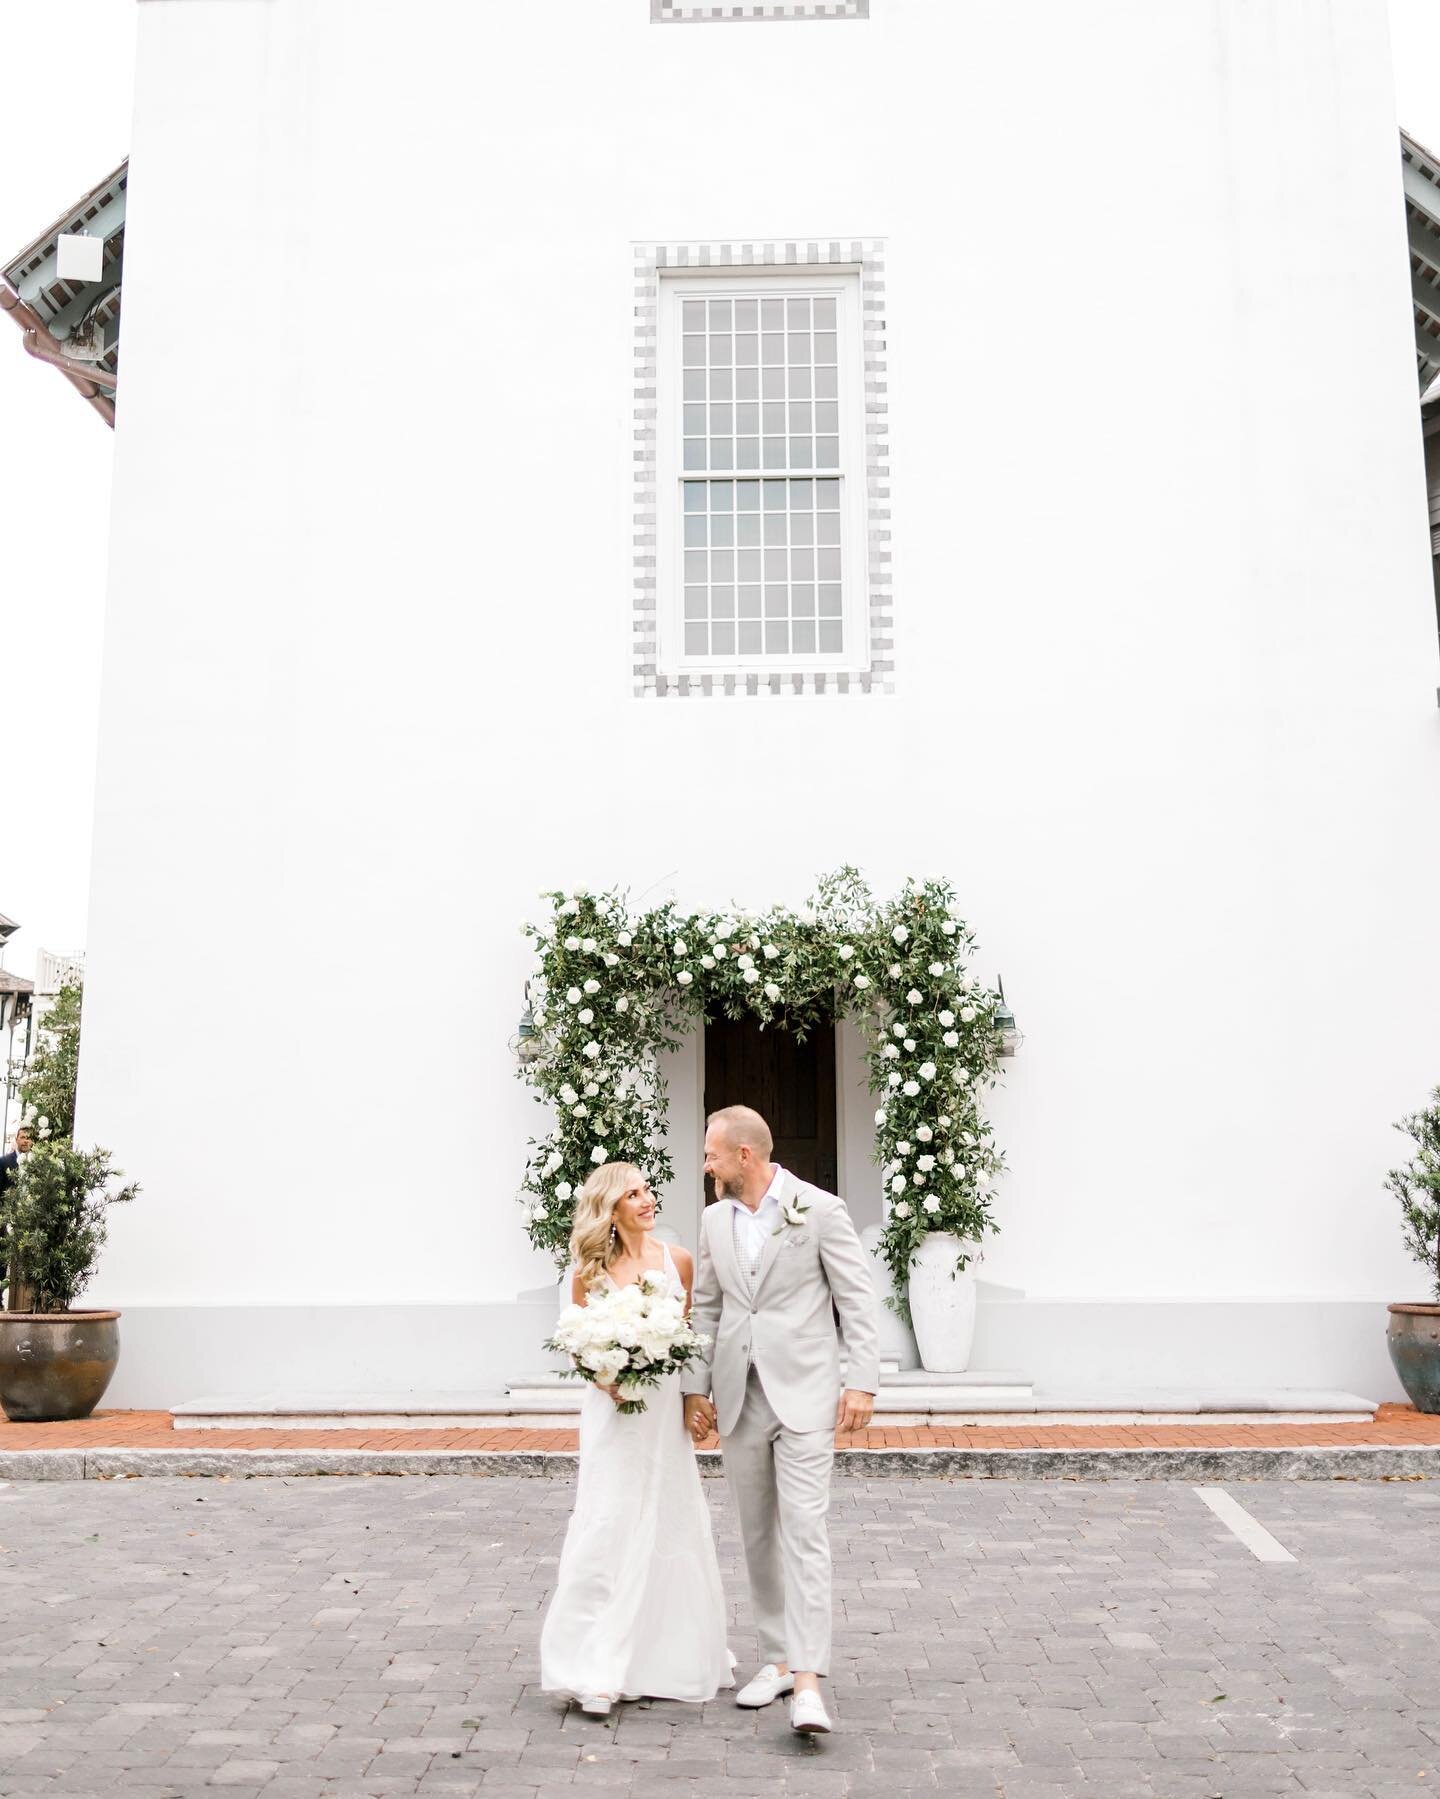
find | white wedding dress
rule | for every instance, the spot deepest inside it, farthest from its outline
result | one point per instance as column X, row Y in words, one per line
column 638, row 1609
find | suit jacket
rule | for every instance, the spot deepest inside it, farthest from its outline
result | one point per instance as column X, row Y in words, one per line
column 782, row 1322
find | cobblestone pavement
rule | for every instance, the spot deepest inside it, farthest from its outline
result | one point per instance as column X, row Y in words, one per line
column 356, row 1637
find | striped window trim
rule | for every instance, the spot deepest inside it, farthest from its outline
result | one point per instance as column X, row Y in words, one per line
column 750, row 12
column 650, row 259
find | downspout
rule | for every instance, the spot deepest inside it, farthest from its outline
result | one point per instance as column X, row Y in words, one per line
column 45, row 348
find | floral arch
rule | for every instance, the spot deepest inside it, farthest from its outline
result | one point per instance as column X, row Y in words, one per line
column 610, row 990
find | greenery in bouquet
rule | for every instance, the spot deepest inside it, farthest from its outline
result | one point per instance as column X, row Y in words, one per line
column 629, row 1337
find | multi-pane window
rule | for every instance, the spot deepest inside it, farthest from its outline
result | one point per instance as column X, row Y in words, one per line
column 762, row 495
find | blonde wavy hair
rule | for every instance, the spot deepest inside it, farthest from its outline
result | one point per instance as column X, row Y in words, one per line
column 592, row 1242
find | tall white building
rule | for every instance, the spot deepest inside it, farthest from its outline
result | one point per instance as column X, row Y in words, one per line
column 690, row 446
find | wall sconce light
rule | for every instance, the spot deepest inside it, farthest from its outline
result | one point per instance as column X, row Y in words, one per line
column 1007, row 1031
column 527, row 1043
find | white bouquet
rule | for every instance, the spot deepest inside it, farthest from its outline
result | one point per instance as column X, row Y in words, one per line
column 628, row 1337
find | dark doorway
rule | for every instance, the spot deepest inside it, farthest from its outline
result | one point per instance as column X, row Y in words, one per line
column 790, row 1083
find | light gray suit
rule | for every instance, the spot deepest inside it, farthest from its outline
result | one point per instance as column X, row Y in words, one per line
column 774, row 1370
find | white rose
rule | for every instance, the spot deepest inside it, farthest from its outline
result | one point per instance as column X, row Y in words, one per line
column 599, row 1154
column 881, row 1115
column 932, row 1204
column 772, row 992
column 948, row 927
column 845, row 952
column 967, row 1014
column 925, row 1163
column 937, row 968
column 951, row 1039
column 684, row 977
column 591, row 1089
column 900, row 934
column 862, row 980
column 563, row 1191
column 622, row 1004
column 625, row 938
column 918, row 1179
column 720, row 951
column 947, row 1019
column 580, row 1110
column 754, row 943
column 570, row 908
column 959, row 1077
column 895, row 971
column 585, row 1016
column 898, row 1184
column 771, row 952
column 553, row 1161
column 746, row 961
column 568, row 1094
column 967, row 1139
column 903, row 1209
column 914, row 996
column 589, row 945
column 592, row 985
column 707, row 961
column 944, row 1121
column 752, row 975
column 890, row 1053
column 959, row 1167
column 573, row 996
column 894, row 1080
column 572, row 943
column 923, row 1132
column 898, row 1029
column 725, row 928
column 592, row 1050
column 927, row 1071
column 902, row 1149
column 909, row 1046
column 680, row 947
column 911, row 1089
column 611, row 959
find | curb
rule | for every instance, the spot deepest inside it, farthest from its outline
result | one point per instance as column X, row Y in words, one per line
column 1382, row 1462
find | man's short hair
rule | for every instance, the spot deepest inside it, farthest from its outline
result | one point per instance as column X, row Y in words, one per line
column 743, row 1124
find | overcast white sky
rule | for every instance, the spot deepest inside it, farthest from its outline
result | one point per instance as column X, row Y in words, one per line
column 67, row 125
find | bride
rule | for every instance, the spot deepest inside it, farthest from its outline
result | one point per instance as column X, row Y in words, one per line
column 638, row 1608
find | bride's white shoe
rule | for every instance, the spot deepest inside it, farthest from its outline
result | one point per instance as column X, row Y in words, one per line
column 808, row 1714
column 595, row 1705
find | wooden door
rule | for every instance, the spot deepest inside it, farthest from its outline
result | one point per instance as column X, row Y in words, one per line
column 789, row 1083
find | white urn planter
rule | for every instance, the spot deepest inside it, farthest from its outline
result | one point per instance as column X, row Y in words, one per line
column 942, row 1303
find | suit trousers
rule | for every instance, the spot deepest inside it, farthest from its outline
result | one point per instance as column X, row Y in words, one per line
column 780, row 1482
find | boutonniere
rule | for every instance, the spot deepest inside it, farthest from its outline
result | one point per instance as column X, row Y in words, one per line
column 792, row 1213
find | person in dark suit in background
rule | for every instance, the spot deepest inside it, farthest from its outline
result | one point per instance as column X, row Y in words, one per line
column 9, row 1171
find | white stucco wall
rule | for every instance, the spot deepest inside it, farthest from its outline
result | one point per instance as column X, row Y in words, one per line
column 1165, row 691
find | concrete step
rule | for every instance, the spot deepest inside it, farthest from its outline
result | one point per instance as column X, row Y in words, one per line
column 544, row 1401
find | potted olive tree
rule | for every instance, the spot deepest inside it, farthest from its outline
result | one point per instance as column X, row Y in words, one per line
column 1414, row 1334
column 55, row 1360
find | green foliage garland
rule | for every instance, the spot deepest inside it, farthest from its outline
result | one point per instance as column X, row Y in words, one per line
column 609, row 992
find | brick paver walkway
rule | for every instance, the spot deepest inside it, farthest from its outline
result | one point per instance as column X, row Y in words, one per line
column 349, row 1638
column 1394, row 1425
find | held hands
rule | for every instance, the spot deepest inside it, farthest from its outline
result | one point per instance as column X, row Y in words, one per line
column 699, row 1416
column 855, row 1410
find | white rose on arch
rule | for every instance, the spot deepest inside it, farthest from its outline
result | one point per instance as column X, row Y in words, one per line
column 903, row 1209
column 900, row 934
column 932, row 1204
column 573, row 996
column 967, row 1014
column 684, row 977
column 592, row 985
column 591, row 1050
column 902, row 1149
column 589, row 945
column 845, row 952
column 951, row 1039
column 624, row 938
column 914, row 996
column 599, row 1154
column 572, row 943
column 927, row 1071
column 911, row 1088
column 894, row 1080
column 924, row 1133
column 751, row 976
column 881, row 1115
column 772, row 992
column 585, row 1016
column 947, row 1018
column 862, row 980
column 937, row 968
column 897, row 1185
column 563, row 1191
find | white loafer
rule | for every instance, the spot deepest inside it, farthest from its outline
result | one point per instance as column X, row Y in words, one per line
column 808, row 1714
column 595, row 1705
column 768, row 1684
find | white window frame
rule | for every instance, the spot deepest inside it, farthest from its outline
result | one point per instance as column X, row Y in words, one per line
column 841, row 282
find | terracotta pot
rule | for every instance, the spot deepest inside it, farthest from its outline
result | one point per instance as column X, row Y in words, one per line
column 1414, row 1343
column 55, row 1365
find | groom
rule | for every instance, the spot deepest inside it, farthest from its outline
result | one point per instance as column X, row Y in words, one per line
column 775, row 1254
